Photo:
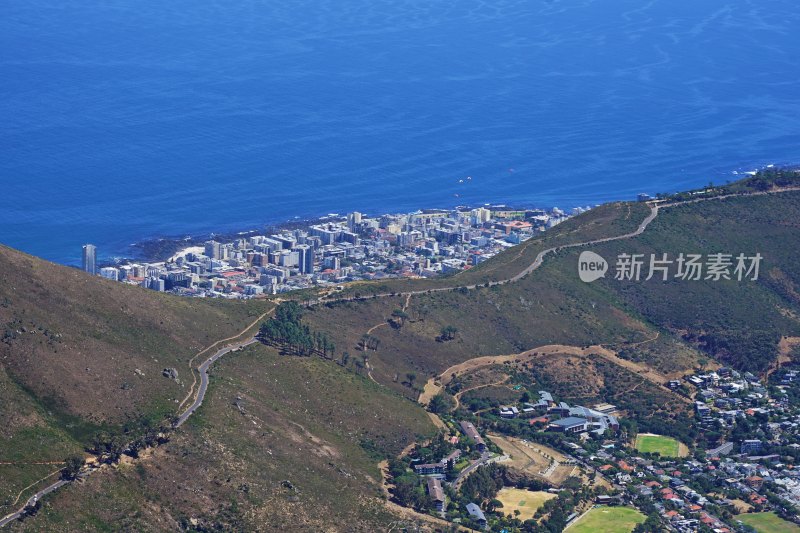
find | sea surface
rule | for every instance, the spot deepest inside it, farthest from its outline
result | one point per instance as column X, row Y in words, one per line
column 123, row 120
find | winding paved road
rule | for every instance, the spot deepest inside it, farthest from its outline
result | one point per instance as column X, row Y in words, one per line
column 201, row 394
column 203, row 370
column 32, row 501
column 484, row 458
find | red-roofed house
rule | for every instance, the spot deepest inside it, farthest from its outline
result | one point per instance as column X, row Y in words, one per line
column 754, row 482
column 624, row 466
column 517, row 225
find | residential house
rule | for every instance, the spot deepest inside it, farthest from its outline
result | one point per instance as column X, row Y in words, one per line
column 469, row 430
column 436, row 493
column 476, row 514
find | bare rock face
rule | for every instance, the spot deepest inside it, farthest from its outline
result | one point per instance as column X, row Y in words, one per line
column 170, row 373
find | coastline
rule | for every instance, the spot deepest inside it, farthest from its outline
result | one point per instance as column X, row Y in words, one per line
column 168, row 248
column 165, row 248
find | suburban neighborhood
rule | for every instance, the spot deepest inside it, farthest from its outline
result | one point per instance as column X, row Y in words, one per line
column 541, row 464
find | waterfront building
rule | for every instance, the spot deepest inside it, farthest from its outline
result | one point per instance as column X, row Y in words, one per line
column 213, row 250
column 110, row 273
column 327, row 235
column 480, row 215
column 353, row 219
column 90, row 258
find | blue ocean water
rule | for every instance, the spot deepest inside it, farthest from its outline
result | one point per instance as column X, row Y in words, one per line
column 122, row 120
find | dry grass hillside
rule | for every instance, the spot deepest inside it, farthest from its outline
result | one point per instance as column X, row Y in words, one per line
column 79, row 354
column 95, row 349
column 282, row 443
column 666, row 325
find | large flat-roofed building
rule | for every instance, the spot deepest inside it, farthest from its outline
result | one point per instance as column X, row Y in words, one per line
column 597, row 421
column 213, row 249
column 751, row 446
column 110, row 273
column 327, row 235
column 605, row 408
column 570, row 424
column 430, row 469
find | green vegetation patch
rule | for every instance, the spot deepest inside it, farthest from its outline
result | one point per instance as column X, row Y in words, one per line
column 608, row 520
column 665, row 446
column 29, row 435
column 768, row 523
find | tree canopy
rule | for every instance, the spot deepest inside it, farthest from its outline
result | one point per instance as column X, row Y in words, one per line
column 286, row 329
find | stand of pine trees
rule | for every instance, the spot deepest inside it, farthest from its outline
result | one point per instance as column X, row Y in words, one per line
column 286, row 329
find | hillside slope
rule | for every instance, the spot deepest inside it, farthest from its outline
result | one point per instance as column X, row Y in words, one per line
column 76, row 341
column 670, row 326
column 552, row 305
column 739, row 323
column 80, row 354
column 283, row 443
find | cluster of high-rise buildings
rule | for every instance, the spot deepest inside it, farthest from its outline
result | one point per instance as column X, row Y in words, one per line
column 335, row 250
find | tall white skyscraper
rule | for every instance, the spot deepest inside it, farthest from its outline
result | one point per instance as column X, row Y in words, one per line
column 305, row 260
column 353, row 219
column 90, row 258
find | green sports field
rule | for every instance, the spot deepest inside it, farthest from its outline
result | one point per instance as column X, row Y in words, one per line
column 607, row 520
column 666, row 446
column 768, row 523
